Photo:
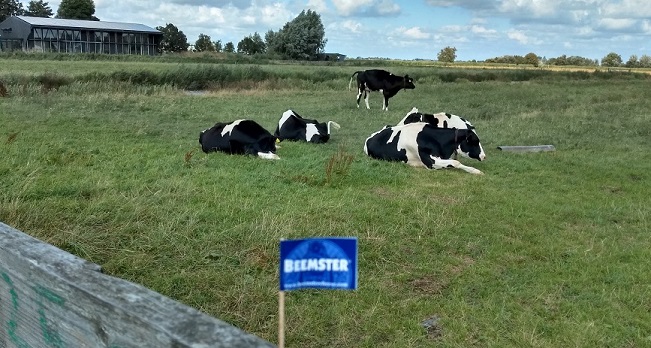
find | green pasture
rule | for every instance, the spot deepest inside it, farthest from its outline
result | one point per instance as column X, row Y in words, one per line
column 544, row 250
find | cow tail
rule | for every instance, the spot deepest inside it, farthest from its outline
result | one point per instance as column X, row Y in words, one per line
column 351, row 79
column 334, row 124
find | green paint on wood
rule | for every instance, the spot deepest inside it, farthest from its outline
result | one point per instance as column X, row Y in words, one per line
column 50, row 335
column 12, row 324
column 49, row 295
column 12, row 291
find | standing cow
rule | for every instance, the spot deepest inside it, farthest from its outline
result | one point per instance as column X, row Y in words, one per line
column 442, row 120
column 422, row 145
column 244, row 137
column 292, row 126
column 380, row 80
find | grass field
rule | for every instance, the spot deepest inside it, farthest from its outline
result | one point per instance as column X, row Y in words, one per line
column 544, row 250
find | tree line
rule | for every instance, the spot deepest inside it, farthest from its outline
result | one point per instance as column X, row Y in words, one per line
column 68, row 9
column 302, row 38
column 611, row 59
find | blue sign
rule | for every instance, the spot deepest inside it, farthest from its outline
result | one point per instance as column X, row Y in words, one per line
column 321, row 263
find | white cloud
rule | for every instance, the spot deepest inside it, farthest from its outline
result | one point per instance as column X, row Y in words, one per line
column 452, row 29
column 518, row 35
column 627, row 9
column 274, row 15
column 617, row 24
column 535, row 8
column 482, row 31
column 412, row 33
column 370, row 8
column 317, row 5
column 349, row 7
column 352, row 26
column 387, row 7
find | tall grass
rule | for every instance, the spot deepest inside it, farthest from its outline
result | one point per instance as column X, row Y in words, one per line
column 545, row 249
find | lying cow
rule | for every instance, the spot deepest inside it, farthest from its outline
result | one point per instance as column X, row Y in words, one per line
column 440, row 120
column 422, row 145
column 292, row 126
column 239, row 137
column 380, row 80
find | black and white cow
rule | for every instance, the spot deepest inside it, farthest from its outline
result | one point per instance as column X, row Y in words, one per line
column 442, row 120
column 422, row 145
column 380, row 80
column 292, row 126
column 244, row 137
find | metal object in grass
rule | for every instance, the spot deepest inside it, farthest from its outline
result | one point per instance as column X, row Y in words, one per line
column 533, row 148
column 433, row 327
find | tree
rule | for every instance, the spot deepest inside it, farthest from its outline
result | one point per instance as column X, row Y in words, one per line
column 645, row 61
column 39, row 8
column 218, row 46
column 531, row 58
column 252, row 44
column 447, row 55
column 611, row 59
column 301, row 38
column 632, row 62
column 10, row 8
column 77, row 9
column 203, row 44
column 229, row 47
column 173, row 39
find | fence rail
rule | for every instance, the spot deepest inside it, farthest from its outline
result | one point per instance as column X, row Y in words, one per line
column 51, row 298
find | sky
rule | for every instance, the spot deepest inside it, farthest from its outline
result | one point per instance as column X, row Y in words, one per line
column 413, row 29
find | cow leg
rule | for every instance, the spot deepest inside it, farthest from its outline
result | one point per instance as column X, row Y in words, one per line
column 366, row 95
column 385, row 104
column 438, row 163
column 359, row 96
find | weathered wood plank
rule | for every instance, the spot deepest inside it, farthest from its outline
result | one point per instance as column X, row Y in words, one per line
column 533, row 148
column 51, row 298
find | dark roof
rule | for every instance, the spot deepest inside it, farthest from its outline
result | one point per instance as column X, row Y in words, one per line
column 78, row 23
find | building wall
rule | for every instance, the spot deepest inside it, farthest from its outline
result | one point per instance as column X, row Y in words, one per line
column 24, row 36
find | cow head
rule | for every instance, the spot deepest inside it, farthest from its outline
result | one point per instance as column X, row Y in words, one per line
column 408, row 82
column 471, row 147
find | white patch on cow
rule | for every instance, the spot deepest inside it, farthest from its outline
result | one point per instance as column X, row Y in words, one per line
column 310, row 131
column 286, row 115
column 407, row 141
column 229, row 127
column 440, row 163
column 268, row 155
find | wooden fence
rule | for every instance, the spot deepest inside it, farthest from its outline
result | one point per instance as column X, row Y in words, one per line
column 50, row 298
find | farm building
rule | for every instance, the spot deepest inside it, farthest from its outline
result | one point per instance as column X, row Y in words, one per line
column 77, row 36
column 337, row 57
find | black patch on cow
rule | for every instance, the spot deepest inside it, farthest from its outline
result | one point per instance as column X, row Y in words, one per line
column 414, row 117
column 377, row 146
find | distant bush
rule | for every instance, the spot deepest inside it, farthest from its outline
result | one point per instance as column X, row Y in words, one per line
column 50, row 81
